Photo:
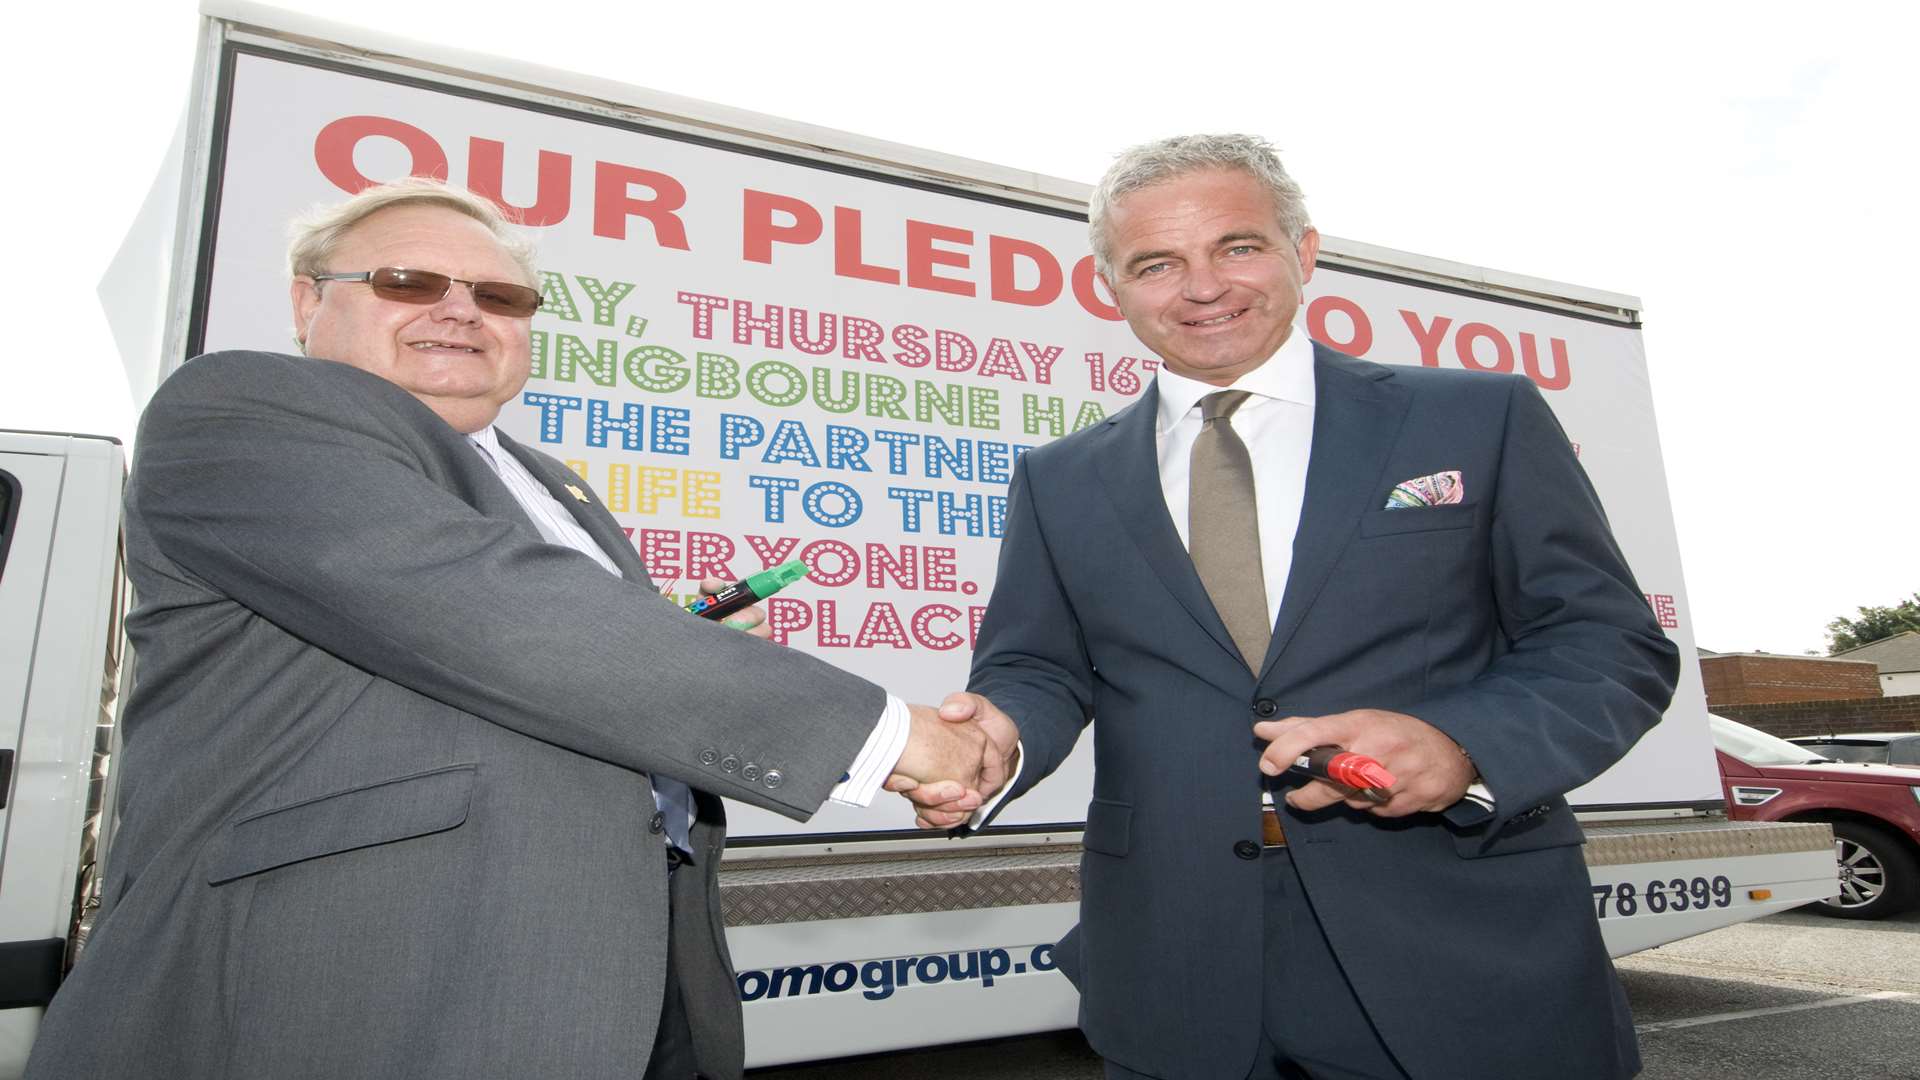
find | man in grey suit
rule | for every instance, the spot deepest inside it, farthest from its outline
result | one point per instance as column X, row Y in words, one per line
column 1280, row 548
column 422, row 776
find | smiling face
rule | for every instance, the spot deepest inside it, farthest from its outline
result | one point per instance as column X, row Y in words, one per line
column 1205, row 274
column 463, row 363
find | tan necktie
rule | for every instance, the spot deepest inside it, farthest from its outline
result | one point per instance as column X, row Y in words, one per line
column 1223, row 529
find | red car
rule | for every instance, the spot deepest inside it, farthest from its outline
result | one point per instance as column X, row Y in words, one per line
column 1874, row 810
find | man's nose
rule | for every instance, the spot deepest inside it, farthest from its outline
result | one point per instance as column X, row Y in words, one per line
column 457, row 305
column 1202, row 284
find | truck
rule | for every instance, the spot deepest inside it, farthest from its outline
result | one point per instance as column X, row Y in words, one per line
column 764, row 340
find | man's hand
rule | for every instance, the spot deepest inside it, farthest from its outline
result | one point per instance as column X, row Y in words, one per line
column 750, row 619
column 942, row 755
column 1431, row 770
column 943, row 805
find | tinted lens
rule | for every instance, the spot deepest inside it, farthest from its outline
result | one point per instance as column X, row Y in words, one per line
column 409, row 286
column 505, row 298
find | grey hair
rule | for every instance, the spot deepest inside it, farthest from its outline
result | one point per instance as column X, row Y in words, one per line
column 314, row 236
column 1156, row 162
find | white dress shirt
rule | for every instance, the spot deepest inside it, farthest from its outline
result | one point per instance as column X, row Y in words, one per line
column 1276, row 423
column 557, row 526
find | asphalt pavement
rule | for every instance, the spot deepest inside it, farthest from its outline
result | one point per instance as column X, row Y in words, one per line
column 1791, row 997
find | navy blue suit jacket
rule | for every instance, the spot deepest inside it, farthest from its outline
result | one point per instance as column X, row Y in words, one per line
column 1509, row 621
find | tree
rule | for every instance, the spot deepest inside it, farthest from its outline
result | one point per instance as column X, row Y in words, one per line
column 1873, row 624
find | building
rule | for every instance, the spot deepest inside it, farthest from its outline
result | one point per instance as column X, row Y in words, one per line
column 1770, row 678
column 1898, row 661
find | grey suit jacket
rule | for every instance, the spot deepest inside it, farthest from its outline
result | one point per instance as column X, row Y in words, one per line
column 1510, row 622
column 384, row 791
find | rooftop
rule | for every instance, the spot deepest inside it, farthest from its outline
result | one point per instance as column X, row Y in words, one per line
column 1896, row 654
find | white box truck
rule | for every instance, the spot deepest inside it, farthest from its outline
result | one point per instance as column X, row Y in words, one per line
column 763, row 341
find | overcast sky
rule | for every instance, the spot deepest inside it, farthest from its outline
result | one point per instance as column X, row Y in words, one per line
column 1746, row 169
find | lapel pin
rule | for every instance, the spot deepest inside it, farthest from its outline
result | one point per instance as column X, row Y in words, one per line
column 576, row 492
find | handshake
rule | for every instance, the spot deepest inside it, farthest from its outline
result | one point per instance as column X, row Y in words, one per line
column 958, row 756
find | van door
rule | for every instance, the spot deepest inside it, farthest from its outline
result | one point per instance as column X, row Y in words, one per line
column 61, row 591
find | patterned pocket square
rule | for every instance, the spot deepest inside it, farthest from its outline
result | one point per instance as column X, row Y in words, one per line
column 1440, row 489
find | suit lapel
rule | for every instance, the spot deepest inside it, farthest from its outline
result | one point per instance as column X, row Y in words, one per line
column 1129, row 466
column 588, row 512
column 1357, row 413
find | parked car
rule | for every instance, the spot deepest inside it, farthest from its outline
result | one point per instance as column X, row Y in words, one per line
column 1874, row 811
column 1880, row 748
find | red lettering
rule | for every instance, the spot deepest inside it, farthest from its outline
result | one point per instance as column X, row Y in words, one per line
column 938, row 562
column 922, row 257
column 660, row 553
column 1428, row 337
column 707, row 556
column 903, row 568
column 1530, row 359
column 953, row 352
column 922, row 628
column 882, row 627
column 1358, row 342
column 758, row 230
column 553, row 187
column 1083, row 291
column 828, row 634
column 613, row 203
column 772, row 551
column 862, row 337
column 847, row 256
column 333, row 150
column 785, row 615
column 1471, row 333
column 1001, row 253
column 818, row 573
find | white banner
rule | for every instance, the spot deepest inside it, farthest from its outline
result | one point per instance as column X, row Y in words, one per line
column 756, row 360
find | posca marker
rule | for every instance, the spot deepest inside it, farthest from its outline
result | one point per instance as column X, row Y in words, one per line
column 1348, row 769
column 755, row 588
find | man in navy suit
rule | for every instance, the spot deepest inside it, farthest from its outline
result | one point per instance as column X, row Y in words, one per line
column 1405, row 562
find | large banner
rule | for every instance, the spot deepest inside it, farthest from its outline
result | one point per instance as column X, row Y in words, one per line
column 756, row 359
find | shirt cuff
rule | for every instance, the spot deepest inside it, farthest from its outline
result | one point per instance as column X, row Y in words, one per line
column 987, row 808
column 884, row 746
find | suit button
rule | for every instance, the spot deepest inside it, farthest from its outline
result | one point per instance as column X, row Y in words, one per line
column 1246, row 849
column 657, row 822
column 750, row 772
column 773, row 778
column 729, row 763
column 709, row 756
column 1265, row 707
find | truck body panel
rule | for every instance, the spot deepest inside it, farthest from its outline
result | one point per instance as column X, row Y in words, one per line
column 767, row 340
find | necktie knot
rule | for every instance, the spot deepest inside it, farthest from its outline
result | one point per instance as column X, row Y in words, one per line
column 1221, row 404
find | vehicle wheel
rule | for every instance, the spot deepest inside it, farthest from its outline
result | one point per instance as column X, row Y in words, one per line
column 1878, row 874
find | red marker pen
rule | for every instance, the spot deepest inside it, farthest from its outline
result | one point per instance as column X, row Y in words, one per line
column 1348, row 769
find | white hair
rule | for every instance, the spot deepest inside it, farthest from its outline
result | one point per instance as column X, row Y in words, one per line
column 1156, row 162
column 313, row 237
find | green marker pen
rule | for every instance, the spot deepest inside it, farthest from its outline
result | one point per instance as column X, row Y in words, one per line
column 755, row 588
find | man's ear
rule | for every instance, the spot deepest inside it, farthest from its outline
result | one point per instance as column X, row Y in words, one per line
column 1309, row 248
column 305, row 296
column 1111, row 291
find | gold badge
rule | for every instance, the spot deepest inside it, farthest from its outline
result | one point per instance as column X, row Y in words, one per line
column 576, row 492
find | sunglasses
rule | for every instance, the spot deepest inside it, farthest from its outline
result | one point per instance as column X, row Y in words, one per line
column 426, row 287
